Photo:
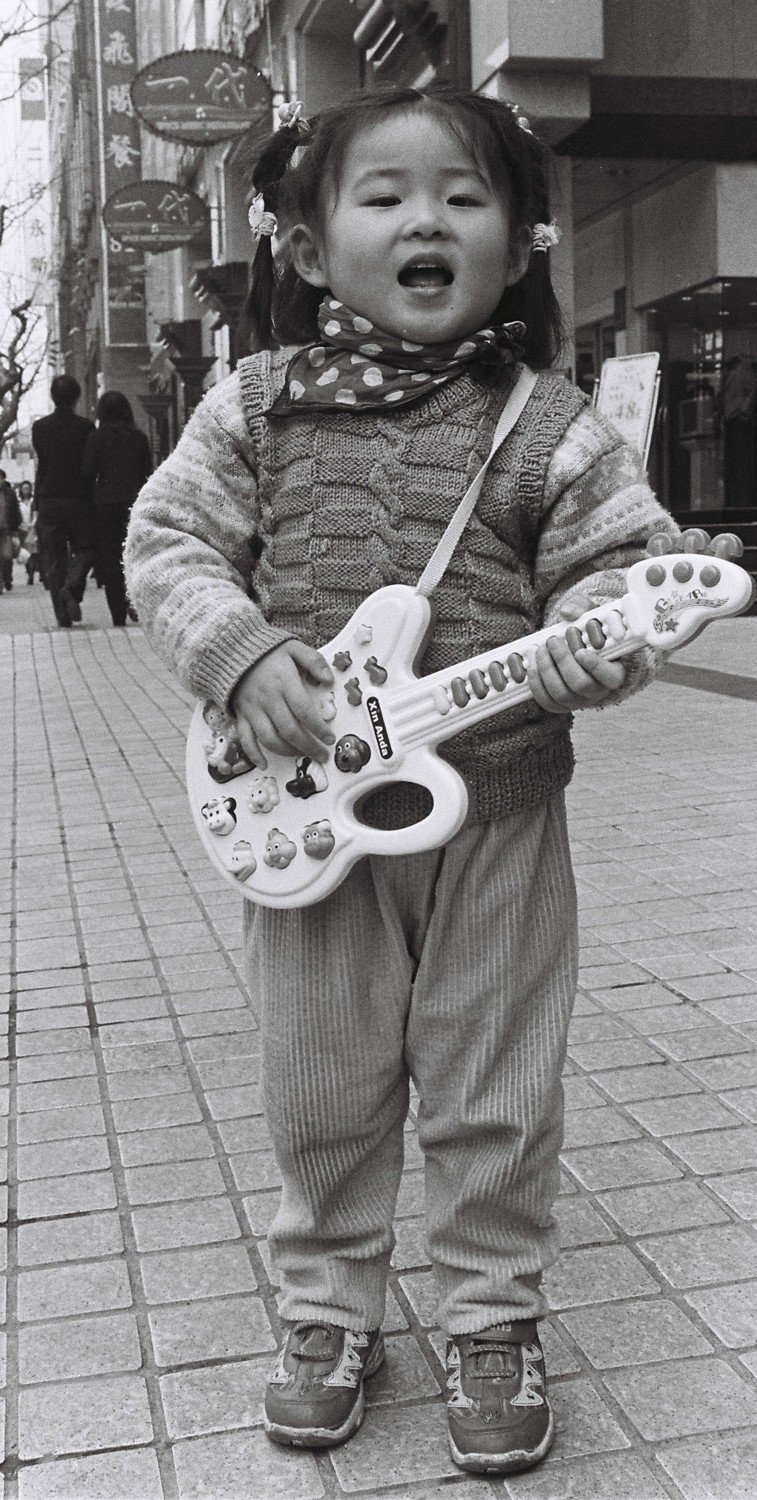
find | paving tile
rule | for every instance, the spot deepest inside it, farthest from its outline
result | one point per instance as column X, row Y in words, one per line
column 580, row 1224
column 595, row 1057
column 730, row 1311
column 227, row 1104
column 739, row 1191
column 58, row 1065
column 85, row 1236
column 634, row 1333
column 217, row 1398
column 64, row 1291
column 154, row 1083
column 62, row 1158
column 110, row 1476
column 677, row 1205
column 716, row 1150
column 170, row 1181
column 154, row 1115
column 74, row 1347
column 597, row 1126
column 685, row 1046
column 584, row 1424
column 209, row 1468
column 592, row 1275
column 224, row 1072
column 612, row 1476
column 174, row 1224
column 247, row 1133
column 47, row 1197
column 726, row 1072
column 188, row 1275
column 684, row 1397
column 715, row 1468
column 201, row 1331
column 78, row 1416
column 697, row 1257
column 60, row 1124
column 620, row 1165
column 254, row 1170
column 685, row 1112
column 260, row 1209
column 133, row 1059
column 58, row 1094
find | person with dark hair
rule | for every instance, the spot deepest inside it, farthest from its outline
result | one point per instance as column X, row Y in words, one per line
column 117, row 462
column 10, row 526
column 61, row 499
column 411, row 284
column 29, row 555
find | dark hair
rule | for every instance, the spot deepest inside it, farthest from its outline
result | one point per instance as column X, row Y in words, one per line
column 281, row 308
column 65, row 390
column 113, row 406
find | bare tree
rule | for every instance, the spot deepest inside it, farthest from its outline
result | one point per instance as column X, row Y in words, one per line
column 21, row 359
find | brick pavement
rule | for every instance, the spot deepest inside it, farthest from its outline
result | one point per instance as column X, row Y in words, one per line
column 140, row 1314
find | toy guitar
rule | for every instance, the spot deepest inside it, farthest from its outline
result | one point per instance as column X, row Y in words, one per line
column 288, row 835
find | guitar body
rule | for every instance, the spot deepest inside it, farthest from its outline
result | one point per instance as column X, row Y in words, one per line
column 298, row 821
column 288, row 835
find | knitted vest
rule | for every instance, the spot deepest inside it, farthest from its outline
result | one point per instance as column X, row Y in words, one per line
column 351, row 500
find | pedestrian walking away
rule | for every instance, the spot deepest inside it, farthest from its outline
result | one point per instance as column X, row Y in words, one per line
column 10, row 526
column 29, row 554
column 117, row 461
column 411, row 290
column 62, row 499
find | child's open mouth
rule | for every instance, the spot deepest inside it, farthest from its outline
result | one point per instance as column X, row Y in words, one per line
column 425, row 274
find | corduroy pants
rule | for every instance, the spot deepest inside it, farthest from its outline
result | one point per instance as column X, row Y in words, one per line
column 456, row 968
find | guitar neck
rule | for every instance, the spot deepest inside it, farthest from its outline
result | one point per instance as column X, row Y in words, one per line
column 436, row 707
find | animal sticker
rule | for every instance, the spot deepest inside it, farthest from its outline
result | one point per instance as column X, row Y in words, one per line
column 279, row 850
column 220, row 814
column 263, row 793
column 318, row 839
column 223, row 752
column 310, row 778
column 243, row 861
column 351, row 753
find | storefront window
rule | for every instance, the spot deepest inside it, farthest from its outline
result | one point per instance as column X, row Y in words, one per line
column 707, row 441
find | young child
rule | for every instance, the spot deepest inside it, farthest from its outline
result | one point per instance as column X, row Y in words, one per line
column 407, row 267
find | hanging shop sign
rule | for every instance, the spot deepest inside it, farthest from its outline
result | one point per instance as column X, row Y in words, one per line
column 200, row 97
column 155, row 215
column 120, row 161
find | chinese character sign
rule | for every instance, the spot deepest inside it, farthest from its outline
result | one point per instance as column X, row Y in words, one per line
column 32, row 87
column 120, row 163
column 201, row 96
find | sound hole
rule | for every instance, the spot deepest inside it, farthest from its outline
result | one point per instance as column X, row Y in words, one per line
column 400, row 805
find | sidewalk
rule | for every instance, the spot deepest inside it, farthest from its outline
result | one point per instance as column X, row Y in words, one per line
column 140, row 1312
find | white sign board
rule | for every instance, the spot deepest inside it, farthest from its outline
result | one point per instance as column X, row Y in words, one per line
column 627, row 395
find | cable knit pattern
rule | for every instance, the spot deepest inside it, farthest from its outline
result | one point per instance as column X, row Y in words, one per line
column 340, row 504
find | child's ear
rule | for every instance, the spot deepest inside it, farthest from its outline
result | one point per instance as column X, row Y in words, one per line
column 520, row 253
column 306, row 256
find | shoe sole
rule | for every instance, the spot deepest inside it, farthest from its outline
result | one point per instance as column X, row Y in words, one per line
column 511, row 1462
column 328, row 1437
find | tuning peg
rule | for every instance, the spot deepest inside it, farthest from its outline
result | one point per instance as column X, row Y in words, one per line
column 726, row 545
column 695, row 539
column 660, row 543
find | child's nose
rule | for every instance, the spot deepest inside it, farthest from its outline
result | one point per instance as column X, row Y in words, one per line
column 426, row 219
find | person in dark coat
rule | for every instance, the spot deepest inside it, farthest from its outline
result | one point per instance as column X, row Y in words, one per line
column 62, row 499
column 117, row 462
column 10, row 523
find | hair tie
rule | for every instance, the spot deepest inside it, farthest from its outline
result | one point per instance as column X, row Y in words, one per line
column 260, row 220
column 291, row 114
column 545, row 236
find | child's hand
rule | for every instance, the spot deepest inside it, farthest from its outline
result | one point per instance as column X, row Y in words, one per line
column 561, row 682
column 276, row 708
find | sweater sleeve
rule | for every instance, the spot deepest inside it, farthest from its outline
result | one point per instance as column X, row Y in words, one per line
column 597, row 517
column 188, row 558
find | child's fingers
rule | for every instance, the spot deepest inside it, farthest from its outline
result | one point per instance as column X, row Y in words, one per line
column 310, row 661
column 250, row 742
column 297, row 728
column 561, row 681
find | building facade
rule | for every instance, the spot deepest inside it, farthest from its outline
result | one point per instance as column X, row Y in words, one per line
column 650, row 111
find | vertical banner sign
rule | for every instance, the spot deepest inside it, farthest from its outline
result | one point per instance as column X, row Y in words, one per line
column 120, row 162
column 31, row 73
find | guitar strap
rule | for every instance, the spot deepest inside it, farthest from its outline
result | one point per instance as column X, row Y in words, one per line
column 439, row 560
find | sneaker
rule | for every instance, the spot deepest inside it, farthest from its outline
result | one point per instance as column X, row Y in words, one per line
column 499, row 1416
column 314, row 1397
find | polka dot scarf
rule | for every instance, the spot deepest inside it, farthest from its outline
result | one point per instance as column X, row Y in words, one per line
column 356, row 364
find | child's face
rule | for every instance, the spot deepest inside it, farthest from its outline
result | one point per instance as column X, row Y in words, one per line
column 416, row 240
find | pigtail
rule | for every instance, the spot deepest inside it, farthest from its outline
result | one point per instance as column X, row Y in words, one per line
column 256, row 330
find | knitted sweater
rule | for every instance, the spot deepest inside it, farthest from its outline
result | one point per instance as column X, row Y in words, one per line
column 255, row 531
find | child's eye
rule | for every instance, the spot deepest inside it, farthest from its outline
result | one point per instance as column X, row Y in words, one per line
column 383, row 200
column 464, row 200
